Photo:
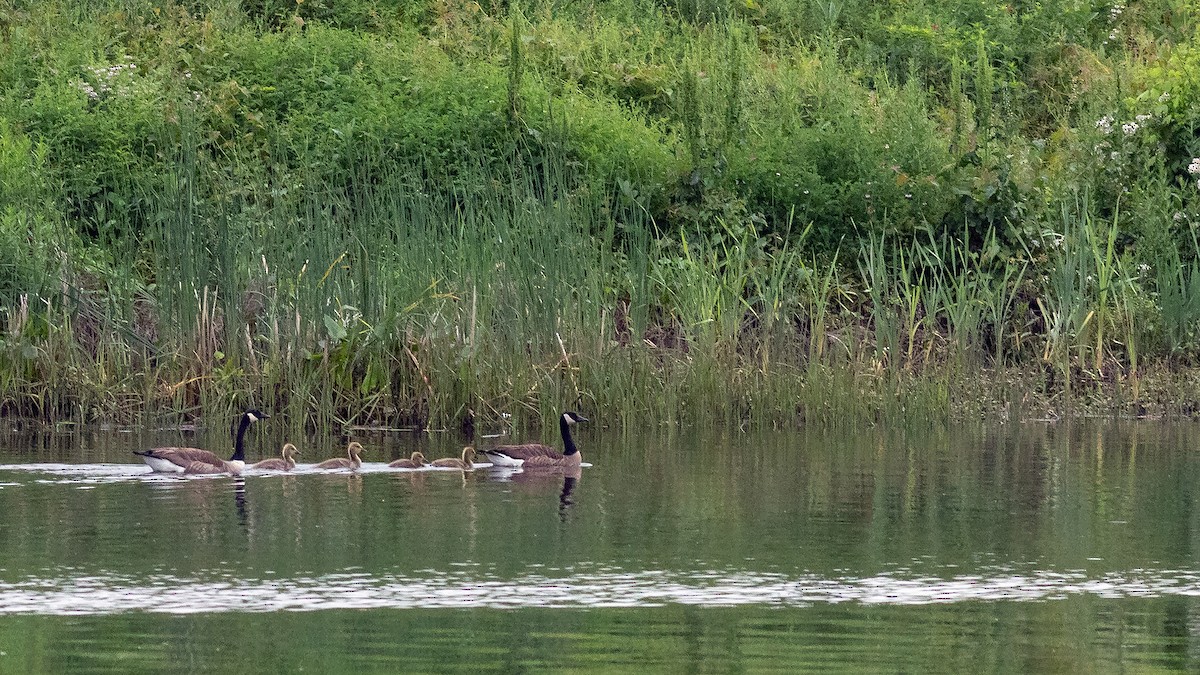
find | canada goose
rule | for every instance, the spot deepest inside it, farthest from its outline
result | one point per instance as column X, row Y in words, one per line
column 532, row 455
column 195, row 460
column 352, row 460
column 467, row 463
column 286, row 461
column 415, row 462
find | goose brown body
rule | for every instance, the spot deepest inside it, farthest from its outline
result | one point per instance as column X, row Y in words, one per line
column 183, row 456
column 200, row 461
column 352, row 460
column 415, row 462
column 534, row 455
column 286, row 461
column 467, row 463
column 191, row 461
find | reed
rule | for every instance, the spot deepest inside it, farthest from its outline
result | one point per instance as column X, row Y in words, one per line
column 694, row 216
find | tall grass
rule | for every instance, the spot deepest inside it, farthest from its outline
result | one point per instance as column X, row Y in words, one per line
column 364, row 215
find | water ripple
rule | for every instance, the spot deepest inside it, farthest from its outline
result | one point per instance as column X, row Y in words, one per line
column 93, row 474
column 164, row 593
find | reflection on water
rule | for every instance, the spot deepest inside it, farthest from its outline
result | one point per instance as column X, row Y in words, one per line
column 535, row 479
column 239, row 500
column 564, row 497
column 752, row 552
column 580, row 587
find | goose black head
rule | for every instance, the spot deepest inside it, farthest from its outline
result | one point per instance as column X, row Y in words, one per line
column 573, row 417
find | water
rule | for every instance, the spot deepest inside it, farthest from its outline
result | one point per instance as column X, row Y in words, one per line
column 1061, row 548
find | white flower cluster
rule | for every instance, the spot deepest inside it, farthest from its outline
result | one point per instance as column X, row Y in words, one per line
column 87, row 89
column 1194, row 167
column 1164, row 97
column 1114, row 13
column 1050, row 239
column 105, row 79
column 1105, row 124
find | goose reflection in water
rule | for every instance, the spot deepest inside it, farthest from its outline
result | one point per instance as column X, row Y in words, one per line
column 239, row 501
column 564, row 498
column 539, row 479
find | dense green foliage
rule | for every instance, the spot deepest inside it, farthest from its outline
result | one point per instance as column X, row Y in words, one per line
column 687, row 210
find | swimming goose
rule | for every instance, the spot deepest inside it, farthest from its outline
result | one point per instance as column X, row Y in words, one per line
column 286, row 461
column 532, row 455
column 467, row 463
column 195, row 460
column 415, row 462
column 352, row 460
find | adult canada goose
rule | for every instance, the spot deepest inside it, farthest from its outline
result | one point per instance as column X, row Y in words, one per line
column 415, row 462
column 195, row 460
column 286, row 461
column 467, row 463
column 352, row 460
column 532, row 455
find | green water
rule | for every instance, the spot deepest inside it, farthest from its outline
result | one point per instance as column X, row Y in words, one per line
column 1019, row 548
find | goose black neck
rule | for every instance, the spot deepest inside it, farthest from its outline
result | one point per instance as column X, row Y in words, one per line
column 239, row 449
column 568, row 442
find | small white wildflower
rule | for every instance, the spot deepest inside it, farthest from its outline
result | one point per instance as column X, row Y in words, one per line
column 1089, row 279
column 1116, row 33
column 1164, row 97
column 868, row 196
column 1114, row 155
column 1143, row 268
column 806, row 192
column 1178, row 217
column 1194, row 167
column 1130, row 128
column 908, row 195
column 187, row 74
column 1104, row 124
column 1142, row 119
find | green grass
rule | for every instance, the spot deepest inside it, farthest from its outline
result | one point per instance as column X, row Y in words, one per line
column 679, row 213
